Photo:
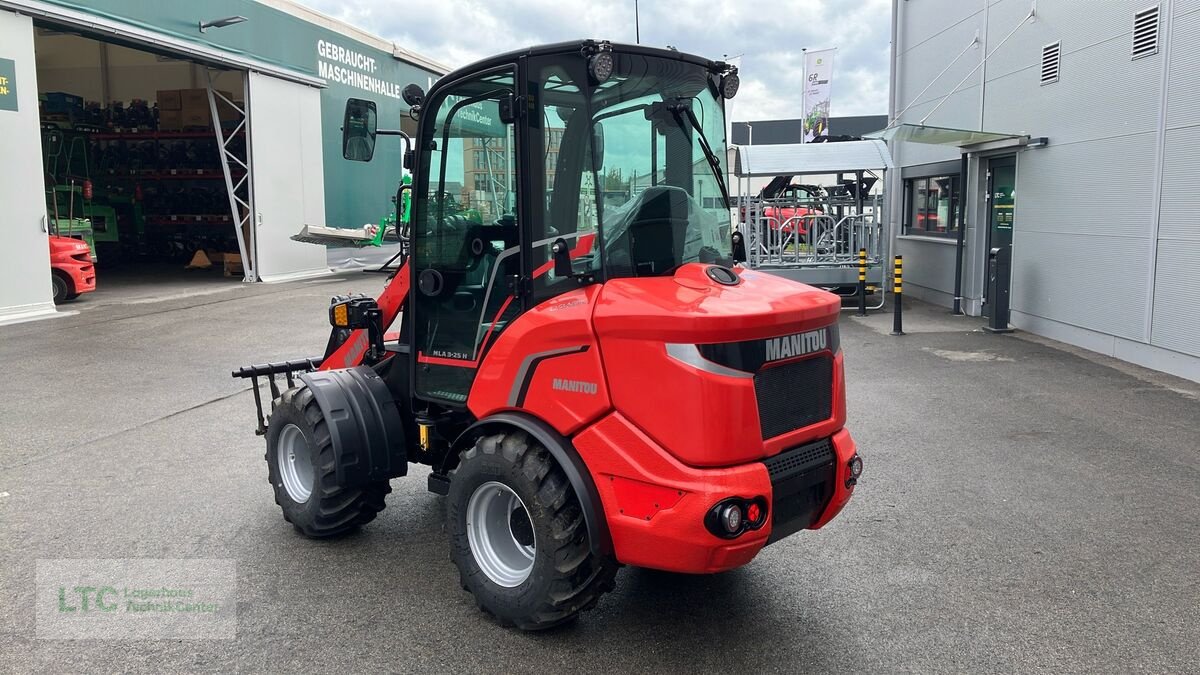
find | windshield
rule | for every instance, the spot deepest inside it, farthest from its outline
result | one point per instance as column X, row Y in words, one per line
column 638, row 160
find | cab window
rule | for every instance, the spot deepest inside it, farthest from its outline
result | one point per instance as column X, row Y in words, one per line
column 466, row 239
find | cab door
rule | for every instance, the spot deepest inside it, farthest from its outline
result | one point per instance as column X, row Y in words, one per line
column 466, row 240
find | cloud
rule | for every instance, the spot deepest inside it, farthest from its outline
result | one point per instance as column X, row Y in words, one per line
column 769, row 36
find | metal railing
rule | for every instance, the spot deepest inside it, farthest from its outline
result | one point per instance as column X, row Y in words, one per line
column 777, row 235
column 816, row 240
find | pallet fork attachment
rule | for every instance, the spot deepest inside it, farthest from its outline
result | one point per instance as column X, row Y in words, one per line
column 269, row 371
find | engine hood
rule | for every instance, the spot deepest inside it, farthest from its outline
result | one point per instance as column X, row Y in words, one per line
column 67, row 244
column 692, row 307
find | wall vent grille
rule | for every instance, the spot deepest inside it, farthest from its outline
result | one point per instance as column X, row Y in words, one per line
column 1145, row 32
column 1051, row 58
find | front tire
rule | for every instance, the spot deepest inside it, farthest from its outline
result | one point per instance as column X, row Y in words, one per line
column 518, row 537
column 302, row 471
column 61, row 288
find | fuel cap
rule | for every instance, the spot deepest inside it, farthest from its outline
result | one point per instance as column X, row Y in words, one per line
column 722, row 275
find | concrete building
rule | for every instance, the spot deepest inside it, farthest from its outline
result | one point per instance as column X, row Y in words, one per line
column 488, row 171
column 156, row 129
column 1068, row 131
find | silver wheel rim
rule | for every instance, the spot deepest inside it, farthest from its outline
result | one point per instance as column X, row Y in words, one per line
column 295, row 463
column 496, row 530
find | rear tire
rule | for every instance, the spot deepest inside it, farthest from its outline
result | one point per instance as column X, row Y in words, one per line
column 302, row 471
column 533, row 569
column 62, row 288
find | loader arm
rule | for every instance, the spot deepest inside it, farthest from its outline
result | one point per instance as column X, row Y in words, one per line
column 391, row 303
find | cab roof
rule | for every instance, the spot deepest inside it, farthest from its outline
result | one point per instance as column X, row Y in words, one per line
column 575, row 47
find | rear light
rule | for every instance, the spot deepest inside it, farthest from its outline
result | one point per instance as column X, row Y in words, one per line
column 856, row 466
column 735, row 516
column 731, row 518
column 754, row 512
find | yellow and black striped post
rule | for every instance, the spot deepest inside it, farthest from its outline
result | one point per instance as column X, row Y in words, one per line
column 862, row 282
column 898, row 296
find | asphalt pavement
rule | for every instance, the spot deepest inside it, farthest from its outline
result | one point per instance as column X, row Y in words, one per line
column 1024, row 507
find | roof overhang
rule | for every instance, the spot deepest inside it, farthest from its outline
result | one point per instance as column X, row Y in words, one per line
column 797, row 159
column 101, row 27
column 964, row 139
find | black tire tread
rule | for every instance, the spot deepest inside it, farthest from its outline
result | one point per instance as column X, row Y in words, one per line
column 68, row 287
column 581, row 577
column 339, row 510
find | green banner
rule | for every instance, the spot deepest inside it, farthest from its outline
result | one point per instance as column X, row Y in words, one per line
column 8, row 85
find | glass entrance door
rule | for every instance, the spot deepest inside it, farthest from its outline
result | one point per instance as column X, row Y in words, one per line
column 1002, row 208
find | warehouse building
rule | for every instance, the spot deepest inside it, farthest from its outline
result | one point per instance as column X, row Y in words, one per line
column 1064, row 134
column 156, row 130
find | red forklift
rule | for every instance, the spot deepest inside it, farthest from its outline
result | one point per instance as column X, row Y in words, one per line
column 591, row 383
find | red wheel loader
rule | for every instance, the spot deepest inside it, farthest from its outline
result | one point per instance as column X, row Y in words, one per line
column 568, row 343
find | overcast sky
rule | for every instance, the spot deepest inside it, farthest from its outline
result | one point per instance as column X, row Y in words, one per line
column 770, row 36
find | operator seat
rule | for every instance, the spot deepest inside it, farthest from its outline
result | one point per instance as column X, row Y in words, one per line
column 652, row 243
column 461, row 316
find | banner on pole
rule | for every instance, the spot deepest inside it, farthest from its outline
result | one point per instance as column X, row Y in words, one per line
column 818, row 67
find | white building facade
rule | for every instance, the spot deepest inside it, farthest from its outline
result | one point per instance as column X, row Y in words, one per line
column 1089, row 177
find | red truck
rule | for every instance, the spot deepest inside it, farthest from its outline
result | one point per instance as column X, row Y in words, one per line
column 71, row 268
column 781, row 191
column 781, row 215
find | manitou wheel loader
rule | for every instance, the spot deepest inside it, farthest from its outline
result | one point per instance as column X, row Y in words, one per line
column 591, row 383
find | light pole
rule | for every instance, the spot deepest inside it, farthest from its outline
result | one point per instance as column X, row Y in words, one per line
column 803, row 93
column 637, row 28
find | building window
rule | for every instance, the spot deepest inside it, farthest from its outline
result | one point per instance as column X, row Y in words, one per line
column 931, row 206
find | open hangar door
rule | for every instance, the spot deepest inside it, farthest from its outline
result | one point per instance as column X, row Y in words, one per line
column 288, row 176
column 139, row 160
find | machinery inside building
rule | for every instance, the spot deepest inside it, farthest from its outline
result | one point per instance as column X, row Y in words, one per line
column 133, row 163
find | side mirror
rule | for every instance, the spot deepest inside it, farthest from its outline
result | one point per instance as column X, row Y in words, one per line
column 562, row 259
column 739, row 247
column 358, row 130
column 413, row 95
column 507, row 107
column 597, row 146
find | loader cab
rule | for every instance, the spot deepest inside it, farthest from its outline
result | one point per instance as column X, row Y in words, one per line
column 545, row 170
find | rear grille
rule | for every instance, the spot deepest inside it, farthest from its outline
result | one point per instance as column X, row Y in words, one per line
column 801, row 486
column 798, row 460
column 794, row 395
